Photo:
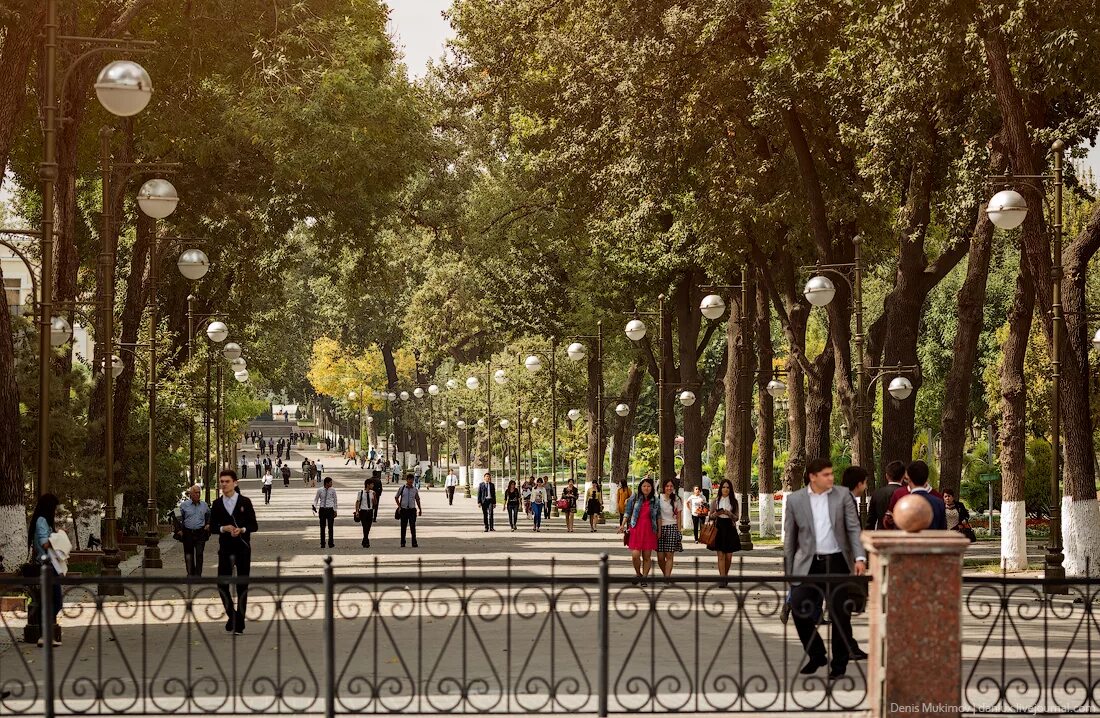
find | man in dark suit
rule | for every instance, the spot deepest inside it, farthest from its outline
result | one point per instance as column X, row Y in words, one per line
column 822, row 536
column 917, row 476
column 234, row 520
column 487, row 500
column 880, row 499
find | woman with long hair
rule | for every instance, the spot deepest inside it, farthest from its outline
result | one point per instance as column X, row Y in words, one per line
column 593, row 506
column 569, row 494
column 670, row 540
column 622, row 494
column 723, row 512
column 43, row 523
column 640, row 525
column 511, row 503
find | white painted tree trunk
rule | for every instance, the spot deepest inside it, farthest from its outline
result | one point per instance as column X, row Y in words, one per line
column 767, row 514
column 1013, row 536
column 1081, row 536
column 783, row 517
column 89, row 518
column 13, row 536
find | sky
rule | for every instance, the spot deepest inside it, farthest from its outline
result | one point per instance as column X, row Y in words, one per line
column 419, row 30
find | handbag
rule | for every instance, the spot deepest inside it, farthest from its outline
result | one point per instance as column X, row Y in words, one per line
column 626, row 537
column 708, row 533
column 562, row 504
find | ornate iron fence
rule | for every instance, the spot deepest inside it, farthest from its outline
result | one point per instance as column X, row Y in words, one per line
column 334, row 644
column 1028, row 646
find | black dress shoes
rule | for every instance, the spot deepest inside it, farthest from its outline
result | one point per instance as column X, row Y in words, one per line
column 812, row 665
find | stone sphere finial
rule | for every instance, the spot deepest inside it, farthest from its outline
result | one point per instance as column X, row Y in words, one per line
column 912, row 513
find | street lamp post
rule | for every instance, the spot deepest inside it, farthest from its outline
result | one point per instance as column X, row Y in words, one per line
column 1007, row 210
column 533, row 363
column 123, row 88
column 636, row 331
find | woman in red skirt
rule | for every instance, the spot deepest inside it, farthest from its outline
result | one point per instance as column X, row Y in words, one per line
column 640, row 525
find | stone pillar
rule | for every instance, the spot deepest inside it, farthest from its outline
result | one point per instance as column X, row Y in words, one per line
column 914, row 610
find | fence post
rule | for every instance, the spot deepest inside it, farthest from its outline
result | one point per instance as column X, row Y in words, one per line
column 602, row 630
column 915, row 631
column 46, row 621
column 329, row 641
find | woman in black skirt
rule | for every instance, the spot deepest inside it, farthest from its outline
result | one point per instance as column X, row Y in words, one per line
column 723, row 512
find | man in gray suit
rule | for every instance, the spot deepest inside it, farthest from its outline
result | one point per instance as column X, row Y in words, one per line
column 822, row 537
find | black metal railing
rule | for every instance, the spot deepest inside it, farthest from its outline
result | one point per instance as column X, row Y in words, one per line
column 342, row 644
column 1028, row 645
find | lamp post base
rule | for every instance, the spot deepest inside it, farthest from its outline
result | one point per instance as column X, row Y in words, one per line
column 745, row 535
column 1054, row 573
column 110, row 568
column 152, row 553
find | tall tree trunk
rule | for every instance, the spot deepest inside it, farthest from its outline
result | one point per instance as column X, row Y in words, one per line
column 688, row 319
column 624, row 425
column 819, row 408
column 1080, row 514
column 1014, row 426
column 765, row 410
column 391, row 382
column 960, row 375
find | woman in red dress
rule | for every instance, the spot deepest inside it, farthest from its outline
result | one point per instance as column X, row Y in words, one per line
column 640, row 525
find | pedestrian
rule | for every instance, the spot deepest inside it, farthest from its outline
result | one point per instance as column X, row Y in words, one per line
column 697, row 506
column 487, row 500
column 621, row 496
column 723, row 513
column 538, row 503
column 373, row 455
column 235, row 519
column 525, row 490
column 42, row 526
column 408, row 508
column 916, row 482
column 569, row 494
column 511, row 503
column 593, row 505
column 259, row 467
column 640, row 526
column 244, row 465
column 285, row 471
column 396, row 472
column 958, row 518
column 822, row 536
column 670, row 539
column 450, row 485
column 318, row 474
column 349, row 456
column 194, row 529
column 324, row 506
column 880, row 498
column 305, row 471
column 365, row 508
column 265, row 487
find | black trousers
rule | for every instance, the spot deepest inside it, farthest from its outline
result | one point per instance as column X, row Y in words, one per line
column 194, row 543
column 240, row 559
column 487, row 515
column 328, row 518
column 513, row 515
column 408, row 520
column 366, row 517
column 806, row 601
column 696, row 524
column 267, row 494
column 451, row 495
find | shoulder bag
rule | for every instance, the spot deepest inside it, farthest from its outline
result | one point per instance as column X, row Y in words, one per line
column 708, row 533
column 355, row 514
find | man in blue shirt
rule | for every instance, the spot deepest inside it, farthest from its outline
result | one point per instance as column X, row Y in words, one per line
column 194, row 529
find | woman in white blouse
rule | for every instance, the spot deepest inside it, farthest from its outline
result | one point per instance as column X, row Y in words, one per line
column 723, row 512
column 669, row 539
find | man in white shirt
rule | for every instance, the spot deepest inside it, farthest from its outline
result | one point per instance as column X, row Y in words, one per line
column 266, row 487
column 822, row 537
column 408, row 508
column 324, row 505
column 451, row 484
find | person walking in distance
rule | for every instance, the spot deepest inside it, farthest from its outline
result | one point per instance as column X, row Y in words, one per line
column 244, row 465
column 267, row 480
column 285, row 471
column 450, row 485
column 569, row 494
column 621, row 496
column 538, row 503
column 324, row 505
column 487, row 500
column 408, row 508
column 233, row 517
column 511, row 503
column 194, row 529
column 593, row 505
column 880, row 498
column 916, row 476
column 822, row 537
column 364, row 509
column 697, row 505
column 259, row 466
column 43, row 525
